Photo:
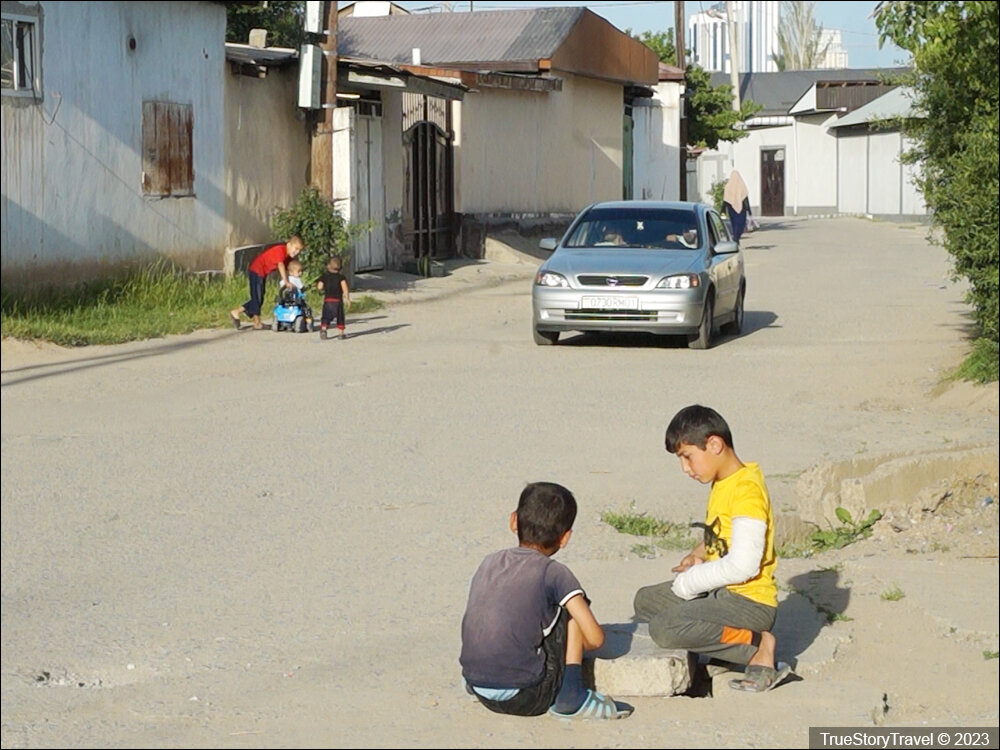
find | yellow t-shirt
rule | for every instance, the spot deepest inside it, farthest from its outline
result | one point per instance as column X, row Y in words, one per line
column 743, row 493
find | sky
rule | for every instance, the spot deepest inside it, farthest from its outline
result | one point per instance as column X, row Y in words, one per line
column 859, row 36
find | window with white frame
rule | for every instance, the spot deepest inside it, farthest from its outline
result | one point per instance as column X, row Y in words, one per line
column 19, row 74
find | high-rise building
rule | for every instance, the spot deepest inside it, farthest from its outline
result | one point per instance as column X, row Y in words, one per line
column 757, row 24
column 835, row 57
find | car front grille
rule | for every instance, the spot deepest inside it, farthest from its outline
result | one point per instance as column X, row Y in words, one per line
column 611, row 280
column 610, row 314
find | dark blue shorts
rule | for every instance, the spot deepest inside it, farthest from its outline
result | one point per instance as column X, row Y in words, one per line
column 537, row 699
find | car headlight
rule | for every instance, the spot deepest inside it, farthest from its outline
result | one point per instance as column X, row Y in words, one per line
column 550, row 278
column 681, row 281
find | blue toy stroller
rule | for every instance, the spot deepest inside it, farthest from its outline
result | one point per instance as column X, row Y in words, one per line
column 292, row 312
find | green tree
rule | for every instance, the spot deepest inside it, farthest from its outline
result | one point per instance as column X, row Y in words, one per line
column 710, row 114
column 709, row 109
column 661, row 42
column 799, row 38
column 956, row 78
column 283, row 21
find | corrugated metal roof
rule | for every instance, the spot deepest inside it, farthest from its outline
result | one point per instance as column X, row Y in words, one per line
column 454, row 39
column 268, row 57
column 778, row 92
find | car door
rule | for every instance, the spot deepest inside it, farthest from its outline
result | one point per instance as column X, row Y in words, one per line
column 727, row 267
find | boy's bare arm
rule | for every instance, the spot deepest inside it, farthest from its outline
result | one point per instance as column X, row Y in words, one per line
column 284, row 273
column 346, row 292
column 593, row 633
column 694, row 557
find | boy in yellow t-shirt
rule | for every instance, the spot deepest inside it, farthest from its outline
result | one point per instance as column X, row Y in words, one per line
column 724, row 600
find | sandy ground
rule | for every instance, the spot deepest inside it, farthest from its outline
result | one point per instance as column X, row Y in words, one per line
column 252, row 539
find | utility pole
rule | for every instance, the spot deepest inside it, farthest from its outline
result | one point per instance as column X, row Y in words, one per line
column 322, row 137
column 734, row 54
column 679, row 37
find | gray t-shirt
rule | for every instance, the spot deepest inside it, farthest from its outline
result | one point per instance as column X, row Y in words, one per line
column 515, row 599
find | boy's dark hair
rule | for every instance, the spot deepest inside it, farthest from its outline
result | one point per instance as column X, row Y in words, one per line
column 545, row 512
column 694, row 425
column 335, row 259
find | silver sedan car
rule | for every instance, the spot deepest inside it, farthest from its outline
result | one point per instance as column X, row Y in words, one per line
column 645, row 266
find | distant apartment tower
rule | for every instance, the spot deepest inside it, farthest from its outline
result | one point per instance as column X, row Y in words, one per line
column 835, row 57
column 756, row 36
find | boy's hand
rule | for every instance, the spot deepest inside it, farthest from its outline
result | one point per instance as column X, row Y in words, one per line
column 686, row 562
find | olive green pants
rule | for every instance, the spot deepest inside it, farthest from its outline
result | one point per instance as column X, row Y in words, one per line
column 720, row 624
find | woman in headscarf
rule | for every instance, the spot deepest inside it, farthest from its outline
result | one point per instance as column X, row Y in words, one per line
column 736, row 199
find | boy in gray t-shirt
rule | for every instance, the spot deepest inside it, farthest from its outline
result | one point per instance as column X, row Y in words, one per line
column 528, row 621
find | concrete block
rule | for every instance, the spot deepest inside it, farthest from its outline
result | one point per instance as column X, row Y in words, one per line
column 630, row 664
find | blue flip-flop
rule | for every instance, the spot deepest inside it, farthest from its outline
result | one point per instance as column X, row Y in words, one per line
column 597, row 706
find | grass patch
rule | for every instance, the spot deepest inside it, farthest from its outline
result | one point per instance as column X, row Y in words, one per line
column 991, row 655
column 662, row 534
column 833, row 537
column 893, row 594
column 982, row 365
column 155, row 301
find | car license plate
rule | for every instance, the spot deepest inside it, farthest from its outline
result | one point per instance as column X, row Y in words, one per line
column 610, row 302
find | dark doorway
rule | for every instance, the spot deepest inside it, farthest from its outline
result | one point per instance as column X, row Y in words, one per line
column 772, row 182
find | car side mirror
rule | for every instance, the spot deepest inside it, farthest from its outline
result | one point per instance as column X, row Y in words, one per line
column 548, row 243
column 727, row 248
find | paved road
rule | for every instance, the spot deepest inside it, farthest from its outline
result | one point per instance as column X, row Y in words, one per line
column 253, row 539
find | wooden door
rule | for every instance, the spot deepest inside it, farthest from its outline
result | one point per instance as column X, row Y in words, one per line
column 772, row 182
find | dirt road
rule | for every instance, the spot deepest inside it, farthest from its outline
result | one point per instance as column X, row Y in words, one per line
column 251, row 539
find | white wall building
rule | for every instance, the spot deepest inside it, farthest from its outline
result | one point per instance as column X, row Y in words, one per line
column 113, row 144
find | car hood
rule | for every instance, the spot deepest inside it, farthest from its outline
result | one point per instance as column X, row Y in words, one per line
column 648, row 262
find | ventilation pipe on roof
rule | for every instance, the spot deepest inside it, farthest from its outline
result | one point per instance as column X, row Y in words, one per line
column 416, row 55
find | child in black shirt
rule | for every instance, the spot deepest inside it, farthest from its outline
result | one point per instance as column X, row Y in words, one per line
column 336, row 297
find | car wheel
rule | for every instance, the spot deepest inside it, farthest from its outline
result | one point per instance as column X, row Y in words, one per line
column 545, row 338
column 276, row 326
column 300, row 325
column 703, row 339
column 735, row 326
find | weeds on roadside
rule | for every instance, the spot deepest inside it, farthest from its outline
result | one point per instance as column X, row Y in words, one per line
column 982, row 364
column 850, row 531
column 991, row 655
column 150, row 302
column 662, row 534
column 834, row 537
column 892, row 594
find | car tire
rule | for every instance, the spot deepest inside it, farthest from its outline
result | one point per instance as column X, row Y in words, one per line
column 545, row 338
column 276, row 326
column 300, row 325
column 735, row 326
column 703, row 339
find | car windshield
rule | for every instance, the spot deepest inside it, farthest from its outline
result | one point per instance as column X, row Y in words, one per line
column 637, row 228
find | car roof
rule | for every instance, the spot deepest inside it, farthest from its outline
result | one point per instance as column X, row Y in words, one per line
column 675, row 205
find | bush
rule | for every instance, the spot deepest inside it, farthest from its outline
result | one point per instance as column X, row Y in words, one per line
column 954, row 140
column 322, row 228
column 718, row 191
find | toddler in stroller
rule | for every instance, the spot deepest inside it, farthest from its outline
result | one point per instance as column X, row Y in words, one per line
column 292, row 311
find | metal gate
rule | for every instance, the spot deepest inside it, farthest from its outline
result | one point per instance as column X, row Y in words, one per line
column 428, row 208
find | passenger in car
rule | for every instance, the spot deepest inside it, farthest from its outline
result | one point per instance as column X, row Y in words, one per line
column 611, row 235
